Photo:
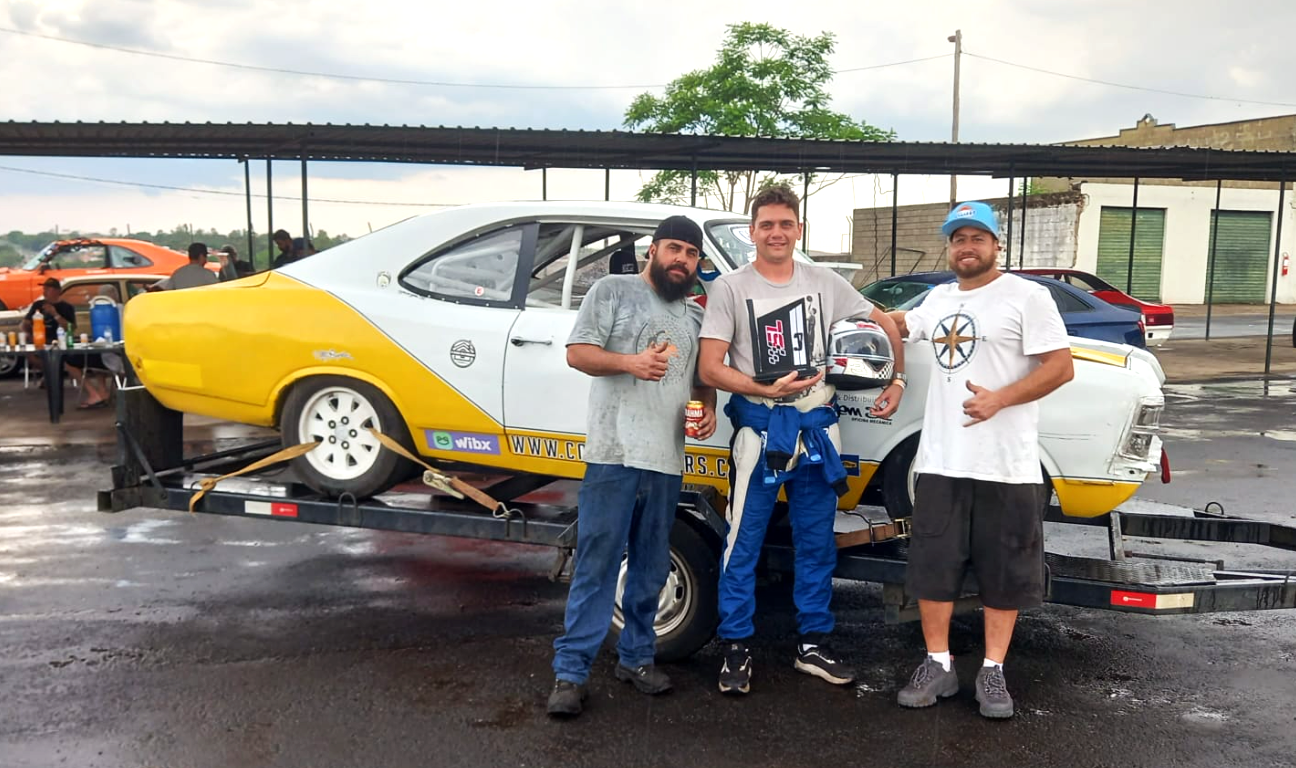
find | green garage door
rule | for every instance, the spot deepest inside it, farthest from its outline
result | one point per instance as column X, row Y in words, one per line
column 1241, row 257
column 1114, row 250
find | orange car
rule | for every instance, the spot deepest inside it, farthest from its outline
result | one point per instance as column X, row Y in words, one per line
column 99, row 256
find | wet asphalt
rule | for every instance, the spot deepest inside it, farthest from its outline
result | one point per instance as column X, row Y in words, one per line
column 156, row 638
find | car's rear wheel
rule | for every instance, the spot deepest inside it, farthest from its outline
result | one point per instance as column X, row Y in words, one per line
column 9, row 365
column 898, row 479
column 687, row 607
column 337, row 412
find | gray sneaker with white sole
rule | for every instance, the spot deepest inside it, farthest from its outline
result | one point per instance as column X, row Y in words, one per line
column 929, row 682
column 992, row 693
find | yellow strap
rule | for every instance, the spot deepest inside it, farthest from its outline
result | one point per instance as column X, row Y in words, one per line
column 433, row 477
column 208, row 483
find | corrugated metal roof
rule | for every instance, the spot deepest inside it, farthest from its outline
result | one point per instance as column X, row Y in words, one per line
column 533, row 148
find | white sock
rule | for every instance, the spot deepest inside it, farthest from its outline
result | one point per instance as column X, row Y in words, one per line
column 989, row 663
column 942, row 658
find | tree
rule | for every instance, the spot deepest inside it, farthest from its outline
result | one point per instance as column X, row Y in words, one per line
column 765, row 82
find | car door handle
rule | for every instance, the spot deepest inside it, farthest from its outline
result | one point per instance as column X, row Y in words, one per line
column 518, row 341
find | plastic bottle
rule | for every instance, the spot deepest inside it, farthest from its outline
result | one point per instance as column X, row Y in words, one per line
column 62, row 338
column 38, row 330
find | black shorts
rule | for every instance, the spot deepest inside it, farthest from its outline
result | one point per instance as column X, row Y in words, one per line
column 996, row 528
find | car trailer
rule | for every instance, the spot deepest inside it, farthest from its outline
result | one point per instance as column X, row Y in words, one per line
column 152, row 472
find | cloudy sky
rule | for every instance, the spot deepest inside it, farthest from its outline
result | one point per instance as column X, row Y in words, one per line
column 1168, row 50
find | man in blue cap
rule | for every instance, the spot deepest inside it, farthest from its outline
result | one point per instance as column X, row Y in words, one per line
column 999, row 345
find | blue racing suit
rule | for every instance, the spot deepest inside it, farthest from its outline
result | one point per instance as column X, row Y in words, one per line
column 766, row 437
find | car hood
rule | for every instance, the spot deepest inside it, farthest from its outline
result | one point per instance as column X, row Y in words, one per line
column 1122, row 355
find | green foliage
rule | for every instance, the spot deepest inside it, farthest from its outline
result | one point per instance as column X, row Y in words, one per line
column 765, row 81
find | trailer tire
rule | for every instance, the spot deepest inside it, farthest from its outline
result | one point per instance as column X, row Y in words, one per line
column 898, row 479
column 688, row 610
column 10, row 365
column 358, row 465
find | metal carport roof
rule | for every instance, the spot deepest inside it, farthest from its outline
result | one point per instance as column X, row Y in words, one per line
column 625, row 150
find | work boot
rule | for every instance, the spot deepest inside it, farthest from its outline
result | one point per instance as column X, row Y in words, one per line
column 735, row 674
column 929, row 682
column 992, row 693
column 820, row 661
column 647, row 678
column 566, row 697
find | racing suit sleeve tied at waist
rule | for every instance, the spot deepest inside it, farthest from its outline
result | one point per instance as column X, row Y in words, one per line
column 784, row 429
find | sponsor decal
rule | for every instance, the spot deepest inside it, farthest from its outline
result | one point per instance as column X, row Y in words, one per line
column 701, row 465
column 463, row 353
column 851, row 463
column 478, row 291
column 964, row 212
column 328, row 355
column 853, row 409
column 547, row 447
column 463, row 442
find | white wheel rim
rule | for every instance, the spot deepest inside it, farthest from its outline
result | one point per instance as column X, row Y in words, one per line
column 8, row 363
column 911, row 481
column 339, row 418
column 673, row 602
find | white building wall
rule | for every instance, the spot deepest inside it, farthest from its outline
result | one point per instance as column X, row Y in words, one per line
column 1187, row 232
column 1050, row 235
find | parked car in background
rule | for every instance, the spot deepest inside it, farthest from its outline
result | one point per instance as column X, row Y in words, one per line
column 64, row 259
column 1158, row 319
column 77, row 291
column 1085, row 315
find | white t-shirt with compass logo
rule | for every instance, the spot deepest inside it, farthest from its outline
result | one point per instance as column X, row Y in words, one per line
column 987, row 336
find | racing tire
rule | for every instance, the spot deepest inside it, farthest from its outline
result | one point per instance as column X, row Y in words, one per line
column 898, row 479
column 688, row 607
column 10, row 365
column 336, row 411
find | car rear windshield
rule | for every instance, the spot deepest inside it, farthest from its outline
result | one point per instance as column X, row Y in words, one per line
column 734, row 239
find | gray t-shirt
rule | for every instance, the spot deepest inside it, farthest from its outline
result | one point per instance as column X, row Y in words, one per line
column 632, row 422
column 736, row 302
column 189, row 276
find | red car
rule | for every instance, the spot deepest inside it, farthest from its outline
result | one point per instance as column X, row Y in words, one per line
column 88, row 256
column 1158, row 319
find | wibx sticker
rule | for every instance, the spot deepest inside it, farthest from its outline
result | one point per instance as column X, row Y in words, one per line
column 465, row 442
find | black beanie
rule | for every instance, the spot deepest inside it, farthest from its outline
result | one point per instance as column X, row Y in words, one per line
column 680, row 228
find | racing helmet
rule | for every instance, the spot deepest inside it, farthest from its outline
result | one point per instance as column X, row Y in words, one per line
column 859, row 355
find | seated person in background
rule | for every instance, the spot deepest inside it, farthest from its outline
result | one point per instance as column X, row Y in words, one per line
column 93, row 373
column 192, row 275
column 56, row 312
column 230, row 265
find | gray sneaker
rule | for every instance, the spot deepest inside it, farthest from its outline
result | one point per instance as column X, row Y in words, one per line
column 929, row 682
column 992, row 693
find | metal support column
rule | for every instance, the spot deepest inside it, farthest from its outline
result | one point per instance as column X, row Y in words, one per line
column 544, row 183
column 306, row 235
column 1273, row 283
column 270, row 254
column 1012, row 202
column 693, row 193
column 1021, row 250
column 1129, row 271
column 895, row 203
column 247, row 194
column 1210, row 269
column 607, row 183
column 805, row 211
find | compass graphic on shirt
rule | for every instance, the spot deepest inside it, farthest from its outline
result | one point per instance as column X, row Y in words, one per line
column 955, row 341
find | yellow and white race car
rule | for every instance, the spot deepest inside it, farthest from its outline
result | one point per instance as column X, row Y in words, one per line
column 447, row 332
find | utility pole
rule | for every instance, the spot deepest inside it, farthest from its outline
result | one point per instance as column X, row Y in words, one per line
column 957, row 40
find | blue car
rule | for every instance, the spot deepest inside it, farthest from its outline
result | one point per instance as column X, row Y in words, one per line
column 1085, row 315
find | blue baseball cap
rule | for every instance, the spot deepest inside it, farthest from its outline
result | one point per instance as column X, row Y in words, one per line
column 977, row 215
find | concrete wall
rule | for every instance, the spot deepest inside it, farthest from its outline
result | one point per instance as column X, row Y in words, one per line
column 1187, row 232
column 1051, row 235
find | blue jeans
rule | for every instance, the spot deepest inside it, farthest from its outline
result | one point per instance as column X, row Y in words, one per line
column 620, row 510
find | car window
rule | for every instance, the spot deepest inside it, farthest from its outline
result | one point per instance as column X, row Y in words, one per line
column 601, row 250
column 136, row 287
column 891, row 295
column 80, row 257
column 81, row 294
column 125, row 258
column 1067, row 302
column 734, row 238
column 481, row 269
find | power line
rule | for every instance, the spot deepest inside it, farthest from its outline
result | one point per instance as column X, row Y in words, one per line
column 389, row 80
column 1127, row 86
column 144, row 185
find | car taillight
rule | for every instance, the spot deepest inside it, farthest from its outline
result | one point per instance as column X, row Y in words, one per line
column 1142, row 323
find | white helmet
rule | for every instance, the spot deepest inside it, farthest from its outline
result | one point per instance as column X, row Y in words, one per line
column 859, row 355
